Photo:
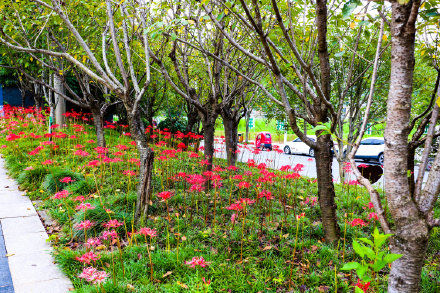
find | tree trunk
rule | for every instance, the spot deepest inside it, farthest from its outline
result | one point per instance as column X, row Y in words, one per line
column 146, row 156
column 59, row 101
column 411, row 229
column 248, row 117
column 231, row 138
column 326, row 190
column 208, row 134
column 145, row 187
column 98, row 121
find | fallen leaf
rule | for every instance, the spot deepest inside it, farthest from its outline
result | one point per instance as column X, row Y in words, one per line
column 267, row 248
column 167, row 274
column 10, row 254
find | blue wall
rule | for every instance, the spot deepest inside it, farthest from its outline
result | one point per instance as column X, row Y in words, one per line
column 12, row 96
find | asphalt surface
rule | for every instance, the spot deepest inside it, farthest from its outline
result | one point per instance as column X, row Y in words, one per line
column 276, row 160
column 5, row 274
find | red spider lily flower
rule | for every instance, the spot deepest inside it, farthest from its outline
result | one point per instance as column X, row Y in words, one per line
column 256, row 151
column 84, row 225
column 196, row 261
column 29, row 168
column 232, row 168
column 196, row 188
column 201, row 148
column 373, row 216
column 181, row 146
column 233, row 218
column 147, row 232
column 312, row 200
column 352, row 182
column 244, row 184
column 133, row 143
column 101, row 150
column 300, row 216
column 113, row 224
column 207, row 282
column 292, row 176
column 370, row 205
column 81, row 153
column 218, row 169
column 204, row 162
column 92, row 275
column 298, row 167
column 109, row 234
column 88, row 257
column 85, row 206
column 93, row 163
column 357, row 222
column 251, row 163
column 262, row 166
column 265, row 193
column 362, row 166
column 122, row 147
column 61, row 194
column 165, row 195
column 208, row 174
column 35, row 151
column 193, row 155
column 238, row 177
column 129, row 172
column 235, row 207
column 12, row 137
column 79, row 198
column 285, row 168
column 93, row 242
column 90, row 141
column 247, row 173
column 54, row 126
column 66, row 180
column 246, row 201
column 47, row 162
column 347, row 167
column 363, row 286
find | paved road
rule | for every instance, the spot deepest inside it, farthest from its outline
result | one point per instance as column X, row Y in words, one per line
column 276, row 160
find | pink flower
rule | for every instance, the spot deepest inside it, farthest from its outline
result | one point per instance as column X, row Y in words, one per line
column 61, row 194
column 29, row 168
column 373, row 216
column 266, row 194
column 285, row 168
column 87, row 258
column 112, row 224
column 235, row 207
column 66, row 180
column 47, row 162
column 148, row 232
column 165, row 195
column 298, row 167
column 84, row 225
column 362, row 166
column 109, row 234
column 196, row 261
column 243, row 184
column 247, row 201
column 233, row 218
column 85, row 206
column 302, row 215
column 129, row 173
column 93, row 242
column 92, row 275
column 357, row 222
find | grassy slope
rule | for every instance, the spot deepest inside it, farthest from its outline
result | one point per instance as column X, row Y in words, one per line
column 270, row 230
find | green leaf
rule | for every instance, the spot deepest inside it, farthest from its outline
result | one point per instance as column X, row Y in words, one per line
column 359, row 248
column 389, row 258
column 348, row 8
column 378, row 265
column 361, row 272
column 366, row 240
column 350, row 266
column 358, row 290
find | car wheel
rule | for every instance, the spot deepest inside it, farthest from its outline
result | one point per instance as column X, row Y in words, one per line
column 312, row 152
column 287, row 150
column 380, row 158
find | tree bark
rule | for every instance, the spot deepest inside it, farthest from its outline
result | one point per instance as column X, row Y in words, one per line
column 98, row 121
column 59, row 101
column 411, row 229
column 231, row 138
column 248, row 117
column 208, row 134
column 326, row 190
column 145, row 187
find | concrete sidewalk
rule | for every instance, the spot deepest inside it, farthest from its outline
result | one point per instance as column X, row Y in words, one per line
column 28, row 253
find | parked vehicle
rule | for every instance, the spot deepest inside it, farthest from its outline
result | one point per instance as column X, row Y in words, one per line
column 297, row 146
column 371, row 148
column 263, row 141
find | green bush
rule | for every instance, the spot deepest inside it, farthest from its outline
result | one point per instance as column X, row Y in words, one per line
column 52, row 182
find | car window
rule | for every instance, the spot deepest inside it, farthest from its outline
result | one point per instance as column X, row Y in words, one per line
column 267, row 135
column 297, row 140
column 378, row 142
column 368, row 141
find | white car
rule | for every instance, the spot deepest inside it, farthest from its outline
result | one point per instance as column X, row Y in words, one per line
column 371, row 148
column 297, row 146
